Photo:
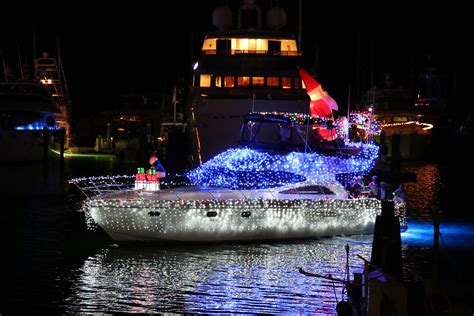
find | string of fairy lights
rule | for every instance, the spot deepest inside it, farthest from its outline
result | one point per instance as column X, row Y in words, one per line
column 424, row 126
column 362, row 119
column 245, row 168
column 228, row 219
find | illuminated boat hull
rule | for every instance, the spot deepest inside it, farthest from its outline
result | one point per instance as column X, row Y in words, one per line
column 227, row 217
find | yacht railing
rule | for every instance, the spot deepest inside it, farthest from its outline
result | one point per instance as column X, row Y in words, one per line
column 93, row 186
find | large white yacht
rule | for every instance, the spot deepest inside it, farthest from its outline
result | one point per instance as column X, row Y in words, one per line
column 242, row 69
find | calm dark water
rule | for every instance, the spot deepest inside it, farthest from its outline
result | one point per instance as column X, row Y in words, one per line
column 52, row 263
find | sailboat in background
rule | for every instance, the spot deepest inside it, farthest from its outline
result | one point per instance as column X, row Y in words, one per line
column 401, row 117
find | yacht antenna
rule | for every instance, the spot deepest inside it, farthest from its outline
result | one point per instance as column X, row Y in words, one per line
column 163, row 99
column 299, row 26
column 357, row 69
column 372, row 59
column 19, row 59
column 34, row 50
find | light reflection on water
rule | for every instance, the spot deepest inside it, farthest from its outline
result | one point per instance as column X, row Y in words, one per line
column 238, row 278
column 424, row 193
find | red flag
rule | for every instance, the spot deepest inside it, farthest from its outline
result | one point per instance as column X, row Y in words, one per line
column 321, row 103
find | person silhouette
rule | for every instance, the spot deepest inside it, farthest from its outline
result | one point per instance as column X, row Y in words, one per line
column 156, row 165
column 373, row 187
column 399, row 194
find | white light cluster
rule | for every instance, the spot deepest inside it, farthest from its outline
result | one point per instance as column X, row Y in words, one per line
column 400, row 211
column 189, row 220
column 425, row 126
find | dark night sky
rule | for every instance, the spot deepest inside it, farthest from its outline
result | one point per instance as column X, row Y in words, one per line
column 112, row 50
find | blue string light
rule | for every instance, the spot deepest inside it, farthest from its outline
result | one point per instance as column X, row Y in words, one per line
column 246, row 168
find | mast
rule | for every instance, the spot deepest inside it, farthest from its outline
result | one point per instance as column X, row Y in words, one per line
column 348, row 101
column 357, row 69
column 34, row 51
column 299, row 26
column 174, row 105
column 19, row 59
column 4, row 69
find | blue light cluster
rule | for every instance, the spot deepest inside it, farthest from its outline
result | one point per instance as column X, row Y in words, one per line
column 36, row 125
column 252, row 169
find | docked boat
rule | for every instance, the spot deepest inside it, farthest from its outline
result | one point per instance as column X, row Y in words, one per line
column 27, row 119
column 266, row 189
column 244, row 67
column 402, row 112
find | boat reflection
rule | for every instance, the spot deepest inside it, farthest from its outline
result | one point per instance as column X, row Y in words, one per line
column 216, row 278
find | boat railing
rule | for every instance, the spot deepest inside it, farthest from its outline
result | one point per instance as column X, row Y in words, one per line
column 93, row 186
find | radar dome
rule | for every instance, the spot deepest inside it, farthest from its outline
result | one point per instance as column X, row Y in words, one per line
column 222, row 17
column 276, row 18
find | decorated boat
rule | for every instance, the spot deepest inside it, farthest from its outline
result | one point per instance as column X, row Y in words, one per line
column 264, row 190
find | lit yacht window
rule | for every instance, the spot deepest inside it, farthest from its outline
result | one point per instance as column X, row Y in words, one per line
column 229, row 81
column 288, row 47
column 273, row 82
column 205, row 80
column 286, row 82
column 241, row 45
column 243, row 81
column 262, row 46
column 258, row 82
column 218, row 81
column 209, row 46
